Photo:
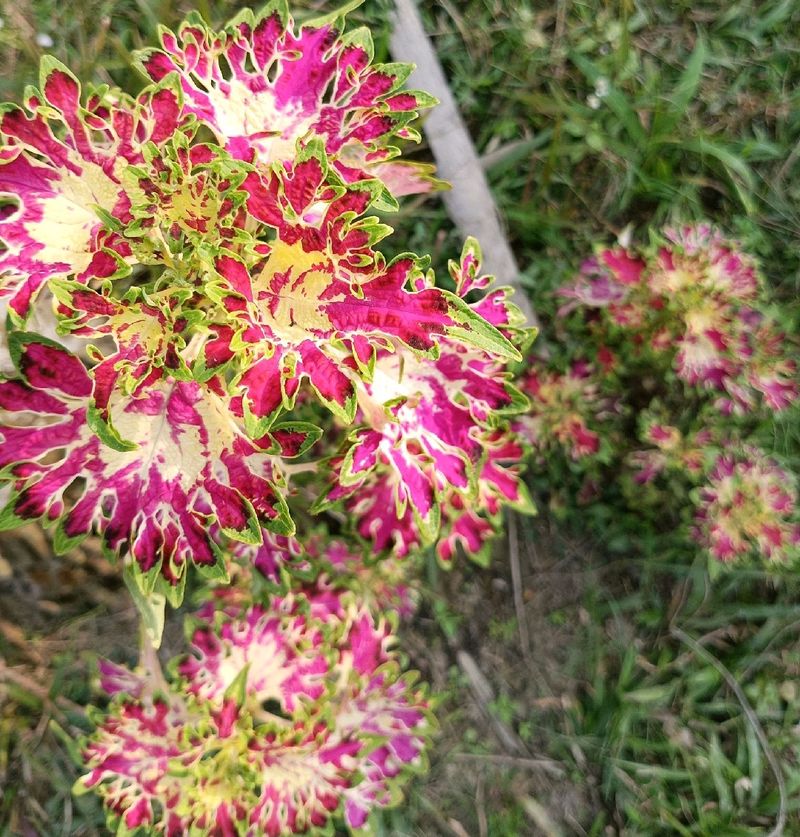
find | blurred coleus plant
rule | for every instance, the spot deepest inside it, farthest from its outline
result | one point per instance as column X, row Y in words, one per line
column 747, row 507
column 675, row 367
column 695, row 303
column 567, row 409
column 280, row 719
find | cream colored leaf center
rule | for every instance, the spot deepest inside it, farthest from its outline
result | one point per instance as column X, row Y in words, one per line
column 68, row 220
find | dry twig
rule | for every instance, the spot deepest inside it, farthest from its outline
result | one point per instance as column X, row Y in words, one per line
column 469, row 204
column 516, row 580
column 546, row 765
column 483, row 693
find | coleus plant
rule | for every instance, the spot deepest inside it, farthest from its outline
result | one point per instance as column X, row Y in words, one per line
column 278, row 717
column 208, row 253
column 748, row 506
column 209, row 281
column 694, row 302
column 669, row 378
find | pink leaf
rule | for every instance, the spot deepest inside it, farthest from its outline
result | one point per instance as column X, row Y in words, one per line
column 187, row 465
column 285, row 86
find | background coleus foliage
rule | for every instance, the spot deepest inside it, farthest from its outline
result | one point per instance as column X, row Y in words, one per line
column 207, row 254
column 671, row 375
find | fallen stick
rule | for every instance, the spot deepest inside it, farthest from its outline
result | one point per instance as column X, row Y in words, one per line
column 483, row 695
column 469, row 203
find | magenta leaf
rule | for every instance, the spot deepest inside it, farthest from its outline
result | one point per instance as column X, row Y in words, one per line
column 188, row 465
column 264, row 89
column 60, row 168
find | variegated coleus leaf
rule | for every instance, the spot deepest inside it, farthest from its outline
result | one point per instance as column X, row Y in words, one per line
column 144, row 738
column 61, row 164
column 402, row 177
column 283, row 658
column 262, row 87
column 474, row 525
column 494, row 304
column 467, row 522
column 425, row 418
column 319, row 303
column 149, row 334
column 185, row 464
column 155, row 335
column 185, row 203
column 371, row 506
column 280, row 721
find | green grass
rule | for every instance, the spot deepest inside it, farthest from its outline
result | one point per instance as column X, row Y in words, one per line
column 691, row 125
column 594, row 117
